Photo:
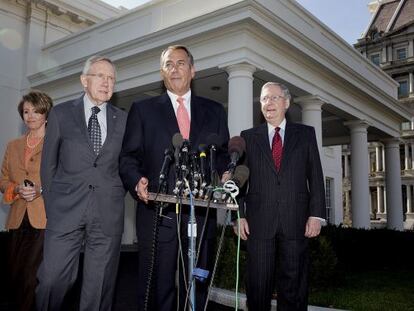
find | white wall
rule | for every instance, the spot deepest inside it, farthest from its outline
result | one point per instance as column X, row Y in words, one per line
column 332, row 167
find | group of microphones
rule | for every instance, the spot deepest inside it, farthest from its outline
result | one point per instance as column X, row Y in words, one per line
column 195, row 170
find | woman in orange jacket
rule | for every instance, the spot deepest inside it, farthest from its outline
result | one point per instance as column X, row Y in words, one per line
column 21, row 188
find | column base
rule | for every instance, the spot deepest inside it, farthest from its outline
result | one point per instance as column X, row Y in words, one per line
column 409, row 216
column 381, row 216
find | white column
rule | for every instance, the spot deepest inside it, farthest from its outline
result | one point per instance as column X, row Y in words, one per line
column 409, row 202
column 383, row 160
column 377, row 159
column 411, row 84
column 312, row 114
column 240, row 113
column 385, row 200
column 346, row 165
column 412, row 155
column 406, row 156
column 359, row 174
column 393, row 183
column 410, row 48
column 380, row 200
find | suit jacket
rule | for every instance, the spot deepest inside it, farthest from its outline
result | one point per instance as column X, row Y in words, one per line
column 72, row 174
column 14, row 170
column 281, row 202
column 150, row 127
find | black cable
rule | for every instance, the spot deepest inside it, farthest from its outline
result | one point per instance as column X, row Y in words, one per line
column 154, row 246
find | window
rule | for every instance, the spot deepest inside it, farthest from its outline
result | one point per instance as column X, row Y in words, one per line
column 375, row 58
column 401, row 53
column 403, row 88
column 328, row 197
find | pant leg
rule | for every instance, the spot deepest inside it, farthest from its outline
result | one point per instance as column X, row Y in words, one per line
column 163, row 292
column 100, row 265
column 292, row 274
column 261, row 261
column 59, row 268
column 25, row 251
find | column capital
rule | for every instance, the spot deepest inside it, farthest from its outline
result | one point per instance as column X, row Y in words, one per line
column 391, row 142
column 357, row 125
column 241, row 70
column 313, row 102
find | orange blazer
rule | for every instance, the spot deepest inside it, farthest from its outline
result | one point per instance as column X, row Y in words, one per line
column 14, row 171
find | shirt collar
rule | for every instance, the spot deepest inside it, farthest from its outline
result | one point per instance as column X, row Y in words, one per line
column 271, row 128
column 173, row 97
column 88, row 105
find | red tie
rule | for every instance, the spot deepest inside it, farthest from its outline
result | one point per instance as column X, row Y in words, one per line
column 183, row 119
column 277, row 149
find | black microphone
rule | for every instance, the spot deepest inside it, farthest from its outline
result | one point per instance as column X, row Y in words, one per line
column 177, row 141
column 202, row 157
column 168, row 157
column 212, row 142
column 236, row 149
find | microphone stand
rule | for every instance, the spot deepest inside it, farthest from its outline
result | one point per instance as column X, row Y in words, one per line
column 192, row 240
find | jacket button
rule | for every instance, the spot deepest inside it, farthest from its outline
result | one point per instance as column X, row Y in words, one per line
column 95, row 165
column 90, row 187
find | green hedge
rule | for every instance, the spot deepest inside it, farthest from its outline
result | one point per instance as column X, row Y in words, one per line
column 336, row 250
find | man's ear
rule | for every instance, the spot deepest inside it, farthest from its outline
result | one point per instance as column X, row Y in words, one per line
column 84, row 81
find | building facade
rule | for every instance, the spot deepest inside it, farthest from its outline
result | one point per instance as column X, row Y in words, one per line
column 238, row 45
column 388, row 43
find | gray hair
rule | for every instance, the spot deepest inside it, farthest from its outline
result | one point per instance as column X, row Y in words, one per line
column 285, row 90
column 94, row 59
column 177, row 47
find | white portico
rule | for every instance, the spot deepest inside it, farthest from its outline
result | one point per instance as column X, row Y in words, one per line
column 238, row 46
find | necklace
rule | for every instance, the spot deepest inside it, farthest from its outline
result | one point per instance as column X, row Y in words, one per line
column 39, row 139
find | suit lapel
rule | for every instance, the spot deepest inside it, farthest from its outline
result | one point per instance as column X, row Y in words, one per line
column 291, row 138
column 21, row 151
column 262, row 139
column 78, row 112
column 167, row 114
column 197, row 119
column 111, row 119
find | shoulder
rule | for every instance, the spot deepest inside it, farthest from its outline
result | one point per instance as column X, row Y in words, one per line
column 148, row 103
column 253, row 130
column 16, row 142
column 65, row 106
column 300, row 127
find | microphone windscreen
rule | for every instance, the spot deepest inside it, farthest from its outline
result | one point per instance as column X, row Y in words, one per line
column 177, row 140
column 237, row 144
column 241, row 174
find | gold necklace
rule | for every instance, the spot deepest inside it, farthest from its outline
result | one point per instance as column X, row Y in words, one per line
column 35, row 145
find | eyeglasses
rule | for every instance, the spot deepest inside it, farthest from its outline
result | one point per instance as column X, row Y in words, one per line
column 273, row 98
column 102, row 77
column 178, row 65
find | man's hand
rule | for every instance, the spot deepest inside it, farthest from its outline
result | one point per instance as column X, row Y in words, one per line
column 313, row 227
column 244, row 228
column 142, row 189
column 225, row 177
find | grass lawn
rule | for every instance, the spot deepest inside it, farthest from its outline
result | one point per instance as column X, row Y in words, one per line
column 387, row 290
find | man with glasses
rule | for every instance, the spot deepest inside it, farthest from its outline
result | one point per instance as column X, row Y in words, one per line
column 284, row 205
column 150, row 127
column 83, row 193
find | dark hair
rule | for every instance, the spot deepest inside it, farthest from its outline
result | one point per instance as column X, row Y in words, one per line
column 41, row 102
column 177, row 47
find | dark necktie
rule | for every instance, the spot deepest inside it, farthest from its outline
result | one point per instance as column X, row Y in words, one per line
column 95, row 130
column 277, row 149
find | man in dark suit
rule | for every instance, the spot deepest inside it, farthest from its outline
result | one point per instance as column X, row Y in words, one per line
column 284, row 206
column 150, row 127
column 83, row 193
